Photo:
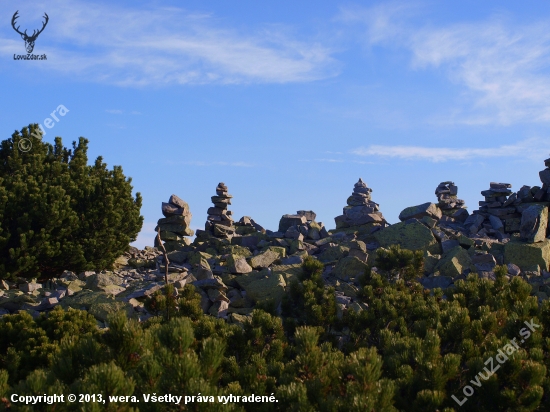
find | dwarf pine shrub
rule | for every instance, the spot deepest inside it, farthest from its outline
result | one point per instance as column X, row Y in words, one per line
column 59, row 213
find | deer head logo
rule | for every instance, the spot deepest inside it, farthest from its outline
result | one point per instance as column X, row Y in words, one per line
column 29, row 40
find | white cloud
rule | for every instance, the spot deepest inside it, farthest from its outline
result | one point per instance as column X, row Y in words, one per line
column 527, row 149
column 139, row 47
column 503, row 66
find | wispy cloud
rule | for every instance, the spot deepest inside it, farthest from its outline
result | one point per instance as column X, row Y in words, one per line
column 503, row 66
column 167, row 45
column 114, row 111
column 527, row 149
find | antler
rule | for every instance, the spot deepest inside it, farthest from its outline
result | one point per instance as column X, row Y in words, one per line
column 43, row 26
column 15, row 16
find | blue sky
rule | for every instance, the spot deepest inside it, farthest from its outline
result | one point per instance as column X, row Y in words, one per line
column 289, row 104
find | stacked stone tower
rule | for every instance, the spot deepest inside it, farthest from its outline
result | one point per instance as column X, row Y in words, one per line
column 361, row 210
column 219, row 221
column 175, row 226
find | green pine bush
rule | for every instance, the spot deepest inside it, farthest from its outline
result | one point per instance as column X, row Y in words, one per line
column 59, row 213
column 411, row 349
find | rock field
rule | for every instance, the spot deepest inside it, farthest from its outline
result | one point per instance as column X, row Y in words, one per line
column 236, row 265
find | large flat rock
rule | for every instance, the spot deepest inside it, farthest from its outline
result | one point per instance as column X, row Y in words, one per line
column 412, row 236
column 418, row 212
column 528, row 255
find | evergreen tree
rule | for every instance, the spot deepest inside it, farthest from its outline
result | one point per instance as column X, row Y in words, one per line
column 57, row 212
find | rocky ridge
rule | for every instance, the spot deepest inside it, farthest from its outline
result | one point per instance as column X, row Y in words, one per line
column 238, row 265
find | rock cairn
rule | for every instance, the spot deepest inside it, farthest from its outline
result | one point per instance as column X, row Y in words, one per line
column 219, row 221
column 504, row 212
column 545, row 179
column 175, row 225
column 452, row 208
column 361, row 210
column 496, row 216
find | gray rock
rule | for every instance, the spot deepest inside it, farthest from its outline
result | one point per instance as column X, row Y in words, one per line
column 484, row 262
column 290, row 220
column 219, row 309
column 143, row 291
column 179, row 284
column 171, row 210
column 426, row 209
column 447, row 245
column 176, row 201
column 250, row 242
column 293, row 233
column 309, row 214
column 513, row 270
column 68, row 275
column 496, row 223
column 85, row 275
column 100, row 280
column 461, row 215
column 215, row 283
column 545, row 176
column 292, row 260
column 241, row 266
column 534, row 221
column 264, row 260
column 30, row 287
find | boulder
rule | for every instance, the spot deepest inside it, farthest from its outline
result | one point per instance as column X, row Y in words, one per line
column 545, row 176
column 172, row 210
column 219, row 309
column 413, row 236
column 292, row 260
column 264, row 259
column 454, row 263
column 291, row 220
column 418, row 212
column 139, row 290
column 309, row 214
column 513, row 270
column 85, row 299
column 527, row 255
column 534, row 222
column 349, row 267
column 484, row 262
column 268, row 287
column 175, row 200
column 288, row 271
column 238, row 265
column 99, row 281
column 30, row 287
column 333, row 253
